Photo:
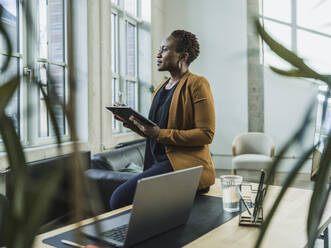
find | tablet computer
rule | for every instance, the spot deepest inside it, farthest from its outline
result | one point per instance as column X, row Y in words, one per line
column 125, row 112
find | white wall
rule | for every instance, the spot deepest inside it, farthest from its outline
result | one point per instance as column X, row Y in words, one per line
column 221, row 29
column 158, row 33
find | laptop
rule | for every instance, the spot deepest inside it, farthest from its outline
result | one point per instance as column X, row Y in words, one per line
column 160, row 203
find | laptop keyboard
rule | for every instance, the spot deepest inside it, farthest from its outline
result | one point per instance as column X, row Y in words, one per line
column 118, row 233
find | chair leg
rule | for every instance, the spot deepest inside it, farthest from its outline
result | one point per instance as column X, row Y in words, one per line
column 274, row 179
column 234, row 172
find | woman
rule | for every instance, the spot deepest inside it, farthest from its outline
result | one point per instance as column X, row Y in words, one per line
column 183, row 110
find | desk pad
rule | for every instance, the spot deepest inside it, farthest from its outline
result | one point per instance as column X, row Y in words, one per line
column 207, row 214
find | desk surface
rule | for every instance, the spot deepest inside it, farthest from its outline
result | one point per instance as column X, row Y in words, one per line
column 287, row 229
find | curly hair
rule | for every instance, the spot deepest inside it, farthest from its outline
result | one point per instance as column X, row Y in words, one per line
column 187, row 42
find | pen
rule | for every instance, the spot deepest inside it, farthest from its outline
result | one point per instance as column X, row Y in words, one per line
column 67, row 242
column 73, row 244
column 258, row 196
column 245, row 204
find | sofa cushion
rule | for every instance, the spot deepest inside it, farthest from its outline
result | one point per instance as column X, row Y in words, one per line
column 251, row 162
column 132, row 168
column 119, row 159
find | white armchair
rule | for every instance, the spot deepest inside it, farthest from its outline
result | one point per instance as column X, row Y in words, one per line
column 252, row 151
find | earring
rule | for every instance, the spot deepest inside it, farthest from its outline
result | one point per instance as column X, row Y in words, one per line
column 180, row 65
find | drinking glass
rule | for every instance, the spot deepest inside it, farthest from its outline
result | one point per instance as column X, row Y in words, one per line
column 230, row 185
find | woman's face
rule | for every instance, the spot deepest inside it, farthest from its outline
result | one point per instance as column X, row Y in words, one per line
column 168, row 58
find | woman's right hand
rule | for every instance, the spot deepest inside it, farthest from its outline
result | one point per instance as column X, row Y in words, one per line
column 127, row 124
column 117, row 117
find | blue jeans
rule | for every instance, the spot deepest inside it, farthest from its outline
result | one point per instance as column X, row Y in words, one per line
column 124, row 194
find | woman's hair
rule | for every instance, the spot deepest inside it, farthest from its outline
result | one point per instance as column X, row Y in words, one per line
column 187, row 42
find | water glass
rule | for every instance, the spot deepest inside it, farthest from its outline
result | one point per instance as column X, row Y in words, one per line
column 230, row 186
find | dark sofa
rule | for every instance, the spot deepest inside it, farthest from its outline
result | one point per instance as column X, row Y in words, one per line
column 111, row 169
column 3, row 209
column 60, row 204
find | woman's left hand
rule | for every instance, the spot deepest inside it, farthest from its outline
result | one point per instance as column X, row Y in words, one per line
column 152, row 131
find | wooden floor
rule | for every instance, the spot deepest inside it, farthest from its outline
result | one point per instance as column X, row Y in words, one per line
column 302, row 181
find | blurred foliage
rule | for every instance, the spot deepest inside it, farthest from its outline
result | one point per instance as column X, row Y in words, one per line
column 30, row 198
column 321, row 189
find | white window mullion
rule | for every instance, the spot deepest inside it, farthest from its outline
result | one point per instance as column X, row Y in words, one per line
column 294, row 26
column 31, row 115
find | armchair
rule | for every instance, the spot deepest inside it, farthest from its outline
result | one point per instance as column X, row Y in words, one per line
column 252, row 151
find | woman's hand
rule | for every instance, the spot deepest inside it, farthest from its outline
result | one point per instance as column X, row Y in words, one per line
column 152, row 131
column 117, row 117
column 125, row 123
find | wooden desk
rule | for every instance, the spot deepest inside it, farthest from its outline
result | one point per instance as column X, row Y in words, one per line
column 287, row 229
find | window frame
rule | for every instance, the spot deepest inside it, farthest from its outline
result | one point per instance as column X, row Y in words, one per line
column 37, row 140
column 123, row 19
column 18, row 55
column 29, row 116
column 293, row 24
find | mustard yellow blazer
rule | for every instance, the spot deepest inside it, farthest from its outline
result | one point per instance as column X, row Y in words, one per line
column 191, row 127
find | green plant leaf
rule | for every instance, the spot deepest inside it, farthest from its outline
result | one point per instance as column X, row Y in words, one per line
column 7, row 42
column 18, row 170
column 287, row 182
column 290, row 73
column 320, row 194
column 287, row 55
column 7, row 90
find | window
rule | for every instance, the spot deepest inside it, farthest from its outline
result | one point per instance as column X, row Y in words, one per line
column 302, row 26
column 322, row 129
column 52, row 62
column 42, row 54
column 124, row 29
column 11, row 22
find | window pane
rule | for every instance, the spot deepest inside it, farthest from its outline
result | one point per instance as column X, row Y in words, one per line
column 326, row 126
column 114, row 42
column 281, row 33
column 279, row 10
column 56, row 30
column 56, row 82
column 131, row 49
column 114, row 2
column 12, row 108
column 131, row 6
column 145, row 8
column 10, row 22
column 42, row 33
column 316, row 49
column 131, row 94
column 314, row 14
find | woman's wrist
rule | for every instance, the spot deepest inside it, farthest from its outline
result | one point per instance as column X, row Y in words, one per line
column 155, row 132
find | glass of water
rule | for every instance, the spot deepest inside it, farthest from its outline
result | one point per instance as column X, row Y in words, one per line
column 230, row 185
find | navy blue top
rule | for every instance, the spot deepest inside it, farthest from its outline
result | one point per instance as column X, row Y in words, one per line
column 159, row 113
